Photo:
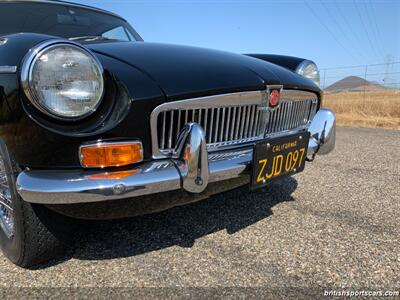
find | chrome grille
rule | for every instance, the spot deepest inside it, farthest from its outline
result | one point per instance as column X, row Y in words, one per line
column 219, row 124
column 291, row 114
column 231, row 119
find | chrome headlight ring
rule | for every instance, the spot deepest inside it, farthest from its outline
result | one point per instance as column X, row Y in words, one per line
column 309, row 70
column 32, row 94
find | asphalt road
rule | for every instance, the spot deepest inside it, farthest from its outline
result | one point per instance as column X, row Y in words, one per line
column 336, row 225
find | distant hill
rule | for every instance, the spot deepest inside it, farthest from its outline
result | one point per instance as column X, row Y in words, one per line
column 352, row 84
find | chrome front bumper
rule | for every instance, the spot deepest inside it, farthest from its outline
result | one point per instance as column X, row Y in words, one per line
column 193, row 174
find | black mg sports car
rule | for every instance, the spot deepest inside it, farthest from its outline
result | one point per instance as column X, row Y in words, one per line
column 95, row 123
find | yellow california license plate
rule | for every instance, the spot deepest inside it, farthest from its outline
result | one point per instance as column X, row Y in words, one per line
column 278, row 157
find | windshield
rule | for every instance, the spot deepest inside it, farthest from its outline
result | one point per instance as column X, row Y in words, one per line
column 62, row 20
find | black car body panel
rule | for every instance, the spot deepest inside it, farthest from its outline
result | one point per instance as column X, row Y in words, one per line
column 289, row 62
column 184, row 72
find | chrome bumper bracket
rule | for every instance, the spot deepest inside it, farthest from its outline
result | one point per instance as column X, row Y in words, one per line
column 194, row 171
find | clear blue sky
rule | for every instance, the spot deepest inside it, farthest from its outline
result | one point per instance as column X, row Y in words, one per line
column 332, row 33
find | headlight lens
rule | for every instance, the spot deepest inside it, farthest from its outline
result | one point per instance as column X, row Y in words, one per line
column 64, row 80
column 309, row 70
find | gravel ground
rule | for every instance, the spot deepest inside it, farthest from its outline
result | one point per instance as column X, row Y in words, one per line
column 334, row 226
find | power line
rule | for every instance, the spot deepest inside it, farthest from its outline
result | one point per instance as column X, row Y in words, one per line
column 377, row 44
column 365, row 28
column 392, row 83
column 347, row 23
column 339, row 26
column 327, row 29
column 351, row 75
column 369, row 74
column 359, row 66
column 376, row 25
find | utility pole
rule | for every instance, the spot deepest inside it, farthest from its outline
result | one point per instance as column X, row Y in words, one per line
column 365, row 78
column 388, row 63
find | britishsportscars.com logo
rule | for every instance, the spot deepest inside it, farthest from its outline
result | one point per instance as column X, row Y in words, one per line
column 360, row 293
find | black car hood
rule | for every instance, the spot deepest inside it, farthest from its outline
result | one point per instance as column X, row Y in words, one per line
column 182, row 71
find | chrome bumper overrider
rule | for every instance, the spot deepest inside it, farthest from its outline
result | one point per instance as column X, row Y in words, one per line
column 192, row 175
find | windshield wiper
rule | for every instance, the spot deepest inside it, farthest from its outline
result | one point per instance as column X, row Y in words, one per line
column 90, row 38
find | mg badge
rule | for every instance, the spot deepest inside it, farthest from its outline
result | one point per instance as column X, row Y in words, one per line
column 271, row 98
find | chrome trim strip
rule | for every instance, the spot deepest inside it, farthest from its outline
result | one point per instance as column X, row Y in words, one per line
column 78, row 186
column 8, row 69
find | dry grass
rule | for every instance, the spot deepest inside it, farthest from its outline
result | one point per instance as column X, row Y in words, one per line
column 377, row 109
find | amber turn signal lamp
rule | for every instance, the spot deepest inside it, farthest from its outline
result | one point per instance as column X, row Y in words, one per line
column 104, row 155
column 187, row 153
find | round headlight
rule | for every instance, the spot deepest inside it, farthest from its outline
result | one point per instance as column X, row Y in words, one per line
column 63, row 79
column 309, row 70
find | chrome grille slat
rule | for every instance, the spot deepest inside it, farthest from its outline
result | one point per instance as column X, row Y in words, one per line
column 246, row 128
column 281, row 117
column 205, row 122
column 296, row 113
column 281, row 111
column 231, row 119
column 252, row 120
column 274, row 121
column 217, row 126
column 211, row 125
column 237, row 128
column 300, row 117
column 299, row 112
column 307, row 113
column 163, row 129
column 290, row 118
column 228, row 118
column 277, row 118
column 255, row 129
column 307, row 107
column 270, row 116
column 242, row 121
column 293, row 117
column 170, row 134
column 179, row 121
column 221, row 133
column 233, row 123
column 285, row 116
column 271, row 121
